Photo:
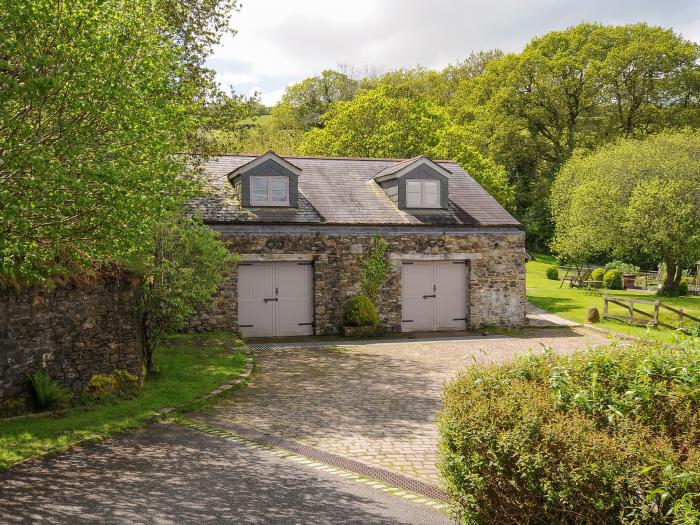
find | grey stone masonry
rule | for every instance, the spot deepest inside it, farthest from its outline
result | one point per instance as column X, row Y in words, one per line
column 72, row 331
column 495, row 279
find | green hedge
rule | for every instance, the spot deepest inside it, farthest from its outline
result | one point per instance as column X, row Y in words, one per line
column 610, row 435
column 552, row 273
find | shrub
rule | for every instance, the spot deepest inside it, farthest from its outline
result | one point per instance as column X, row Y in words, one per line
column 47, row 393
column 552, row 273
column 128, row 384
column 106, row 387
column 101, row 387
column 360, row 311
column 610, row 435
column 15, row 406
column 612, row 280
column 598, row 274
column 622, row 266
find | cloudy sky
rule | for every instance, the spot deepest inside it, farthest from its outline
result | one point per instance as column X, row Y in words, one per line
column 280, row 42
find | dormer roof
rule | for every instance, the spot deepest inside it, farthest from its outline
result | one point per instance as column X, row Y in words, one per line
column 398, row 169
column 270, row 155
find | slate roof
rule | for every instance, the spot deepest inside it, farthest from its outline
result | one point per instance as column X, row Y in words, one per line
column 343, row 191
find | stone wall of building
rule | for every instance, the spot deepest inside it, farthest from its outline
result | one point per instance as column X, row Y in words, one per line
column 72, row 331
column 496, row 281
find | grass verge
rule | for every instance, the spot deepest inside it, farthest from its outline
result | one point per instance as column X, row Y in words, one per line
column 189, row 365
column 572, row 303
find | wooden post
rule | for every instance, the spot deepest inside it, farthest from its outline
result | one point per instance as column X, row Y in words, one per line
column 631, row 320
column 605, row 305
column 680, row 318
column 656, row 313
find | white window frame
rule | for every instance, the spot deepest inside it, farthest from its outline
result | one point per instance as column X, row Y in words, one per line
column 268, row 201
column 423, row 197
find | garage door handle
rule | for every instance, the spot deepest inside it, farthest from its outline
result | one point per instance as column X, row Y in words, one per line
column 426, row 296
column 271, row 299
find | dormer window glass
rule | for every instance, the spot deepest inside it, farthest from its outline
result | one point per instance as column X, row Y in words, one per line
column 422, row 193
column 269, row 191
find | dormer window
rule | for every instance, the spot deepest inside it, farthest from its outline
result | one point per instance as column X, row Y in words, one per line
column 416, row 184
column 268, row 180
column 422, row 194
column 269, row 191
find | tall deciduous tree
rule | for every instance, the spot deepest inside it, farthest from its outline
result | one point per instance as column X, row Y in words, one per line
column 304, row 103
column 633, row 197
column 577, row 88
column 96, row 99
column 382, row 123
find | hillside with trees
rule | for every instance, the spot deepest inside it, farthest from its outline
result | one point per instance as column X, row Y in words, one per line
column 512, row 120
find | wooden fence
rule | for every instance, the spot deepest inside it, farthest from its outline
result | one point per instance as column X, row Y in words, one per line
column 646, row 317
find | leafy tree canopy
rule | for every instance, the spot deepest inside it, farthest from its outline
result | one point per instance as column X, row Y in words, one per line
column 304, row 103
column 96, row 99
column 382, row 123
column 633, row 197
column 577, row 88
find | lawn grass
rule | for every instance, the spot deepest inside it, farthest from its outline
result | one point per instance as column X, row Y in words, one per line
column 189, row 367
column 572, row 303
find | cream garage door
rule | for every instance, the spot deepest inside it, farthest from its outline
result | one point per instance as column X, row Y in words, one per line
column 434, row 296
column 275, row 299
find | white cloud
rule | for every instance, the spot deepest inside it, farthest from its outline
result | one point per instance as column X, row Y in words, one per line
column 280, row 42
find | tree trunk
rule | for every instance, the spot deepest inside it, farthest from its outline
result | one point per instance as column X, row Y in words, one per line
column 146, row 346
column 672, row 279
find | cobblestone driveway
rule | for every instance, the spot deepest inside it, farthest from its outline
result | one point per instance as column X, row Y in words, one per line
column 375, row 403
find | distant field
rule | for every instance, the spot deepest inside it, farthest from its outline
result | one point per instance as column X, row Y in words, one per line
column 254, row 120
column 572, row 303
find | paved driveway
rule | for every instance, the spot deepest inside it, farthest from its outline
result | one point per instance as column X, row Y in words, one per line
column 374, row 403
column 171, row 474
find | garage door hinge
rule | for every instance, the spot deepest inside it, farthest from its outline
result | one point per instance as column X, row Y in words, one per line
column 305, row 264
column 305, row 324
column 245, row 326
column 460, row 262
column 245, row 264
column 402, row 262
column 407, row 320
column 460, row 319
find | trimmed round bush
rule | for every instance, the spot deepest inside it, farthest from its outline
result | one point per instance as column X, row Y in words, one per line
column 610, row 435
column 360, row 311
column 598, row 274
column 612, row 280
column 552, row 273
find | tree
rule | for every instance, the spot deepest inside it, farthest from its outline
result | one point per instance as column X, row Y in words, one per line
column 304, row 103
column 97, row 98
column 375, row 124
column 380, row 123
column 578, row 88
column 633, row 197
column 182, row 273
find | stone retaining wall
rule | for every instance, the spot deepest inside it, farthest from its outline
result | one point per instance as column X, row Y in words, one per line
column 72, row 331
column 496, row 281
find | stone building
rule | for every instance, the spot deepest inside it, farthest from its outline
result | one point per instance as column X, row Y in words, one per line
column 302, row 226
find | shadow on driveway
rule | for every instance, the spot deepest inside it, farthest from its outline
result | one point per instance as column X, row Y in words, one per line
column 170, row 474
